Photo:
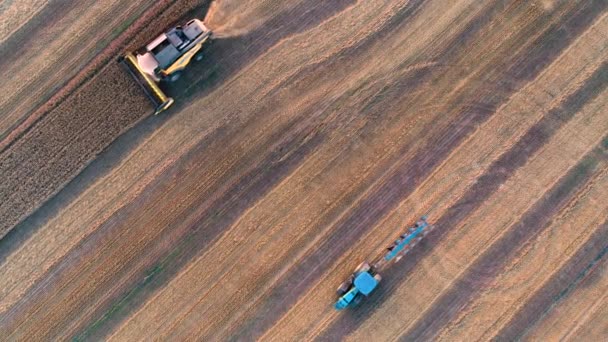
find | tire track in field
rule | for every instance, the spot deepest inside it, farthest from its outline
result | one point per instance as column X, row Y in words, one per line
column 245, row 191
column 244, row 49
column 344, row 236
column 581, row 310
column 398, row 185
column 493, row 260
column 533, row 266
column 200, row 232
column 559, row 287
column 588, row 316
column 490, row 181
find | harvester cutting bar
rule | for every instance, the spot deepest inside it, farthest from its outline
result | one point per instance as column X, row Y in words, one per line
column 160, row 100
column 408, row 240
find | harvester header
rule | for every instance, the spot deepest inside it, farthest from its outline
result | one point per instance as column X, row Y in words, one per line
column 158, row 97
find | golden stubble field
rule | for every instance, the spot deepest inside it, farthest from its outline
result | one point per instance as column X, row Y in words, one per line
column 308, row 138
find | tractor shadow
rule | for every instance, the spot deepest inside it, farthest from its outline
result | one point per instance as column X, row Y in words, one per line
column 392, row 276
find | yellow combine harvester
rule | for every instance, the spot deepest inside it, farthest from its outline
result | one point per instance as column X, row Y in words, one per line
column 164, row 59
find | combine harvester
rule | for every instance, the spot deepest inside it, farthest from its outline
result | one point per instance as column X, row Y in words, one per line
column 366, row 277
column 165, row 58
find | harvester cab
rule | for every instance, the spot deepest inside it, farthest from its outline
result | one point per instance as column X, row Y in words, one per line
column 361, row 283
column 165, row 58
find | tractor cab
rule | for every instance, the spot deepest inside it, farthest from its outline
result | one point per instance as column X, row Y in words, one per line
column 365, row 279
column 365, row 283
column 361, row 283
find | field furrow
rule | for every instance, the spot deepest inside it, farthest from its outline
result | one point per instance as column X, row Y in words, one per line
column 309, row 136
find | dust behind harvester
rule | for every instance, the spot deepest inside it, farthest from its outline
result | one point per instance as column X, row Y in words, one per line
column 165, row 58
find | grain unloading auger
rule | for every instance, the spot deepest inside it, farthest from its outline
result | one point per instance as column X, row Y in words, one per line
column 366, row 277
column 165, row 58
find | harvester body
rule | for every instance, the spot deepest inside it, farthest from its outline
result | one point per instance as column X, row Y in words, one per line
column 164, row 58
column 366, row 277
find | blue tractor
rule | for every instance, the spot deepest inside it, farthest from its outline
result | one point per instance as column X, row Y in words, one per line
column 365, row 279
column 361, row 283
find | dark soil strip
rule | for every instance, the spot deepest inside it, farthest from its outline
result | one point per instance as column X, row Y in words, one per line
column 19, row 40
column 559, row 287
column 485, row 186
column 396, row 22
column 557, row 38
column 492, row 262
column 221, row 214
column 381, row 201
